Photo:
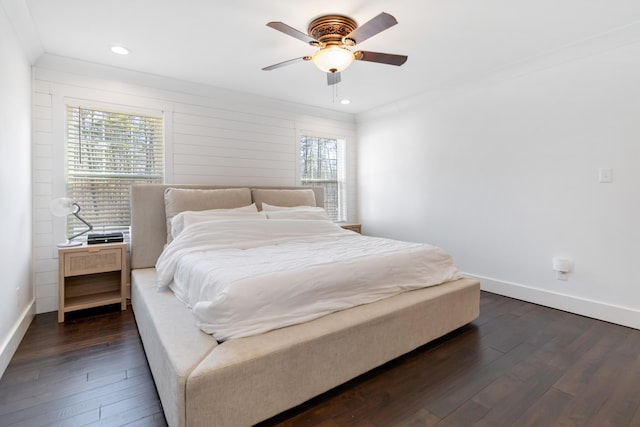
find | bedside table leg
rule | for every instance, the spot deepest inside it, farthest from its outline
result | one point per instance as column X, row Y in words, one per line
column 123, row 280
column 60, row 288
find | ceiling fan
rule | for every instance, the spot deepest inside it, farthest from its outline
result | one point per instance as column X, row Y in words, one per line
column 334, row 35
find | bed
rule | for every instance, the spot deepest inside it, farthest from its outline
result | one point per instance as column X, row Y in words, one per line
column 240, row 380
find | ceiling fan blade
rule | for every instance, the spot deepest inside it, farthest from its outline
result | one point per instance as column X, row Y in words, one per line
column 284, row 63
column 383, row 58
column 333, row 78
column 372, row 27
column 282, row 27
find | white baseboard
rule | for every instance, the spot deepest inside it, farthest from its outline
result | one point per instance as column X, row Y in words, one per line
column 10, row 345
column 598, row 310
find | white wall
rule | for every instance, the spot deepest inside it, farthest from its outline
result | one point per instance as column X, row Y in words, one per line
column 503, row 174
column 212, row 136
column 16, row 290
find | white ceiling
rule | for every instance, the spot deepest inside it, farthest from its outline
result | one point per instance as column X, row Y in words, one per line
column 226, row 43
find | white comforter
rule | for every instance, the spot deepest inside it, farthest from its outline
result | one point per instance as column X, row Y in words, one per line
column 242, row 278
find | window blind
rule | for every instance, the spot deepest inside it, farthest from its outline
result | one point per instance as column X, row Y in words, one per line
column 107, row 151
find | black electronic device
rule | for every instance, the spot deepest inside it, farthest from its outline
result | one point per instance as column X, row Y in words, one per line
column 96, row 238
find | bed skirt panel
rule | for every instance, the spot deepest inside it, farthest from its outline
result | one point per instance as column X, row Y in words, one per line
column 247, row 380
column 244, row 381
column 172, row 343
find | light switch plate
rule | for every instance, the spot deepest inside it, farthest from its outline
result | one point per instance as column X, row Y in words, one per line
column 605, row 175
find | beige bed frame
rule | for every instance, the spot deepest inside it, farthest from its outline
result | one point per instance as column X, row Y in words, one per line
column 241, row 382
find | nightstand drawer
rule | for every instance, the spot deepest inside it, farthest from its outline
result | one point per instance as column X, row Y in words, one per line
column 92, row 261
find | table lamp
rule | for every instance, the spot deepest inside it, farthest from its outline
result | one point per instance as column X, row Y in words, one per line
column 64, row 206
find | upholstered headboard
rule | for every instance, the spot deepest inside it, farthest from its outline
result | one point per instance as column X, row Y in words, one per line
column 148, row 218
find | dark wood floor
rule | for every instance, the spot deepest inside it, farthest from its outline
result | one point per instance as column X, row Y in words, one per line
column 519, row 364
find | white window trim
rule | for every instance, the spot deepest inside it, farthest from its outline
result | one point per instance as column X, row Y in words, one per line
column 86, row 155
column 100, row 100
column 348, row 217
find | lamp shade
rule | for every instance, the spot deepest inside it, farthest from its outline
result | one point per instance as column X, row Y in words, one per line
column 63, row 206
column 333, row 59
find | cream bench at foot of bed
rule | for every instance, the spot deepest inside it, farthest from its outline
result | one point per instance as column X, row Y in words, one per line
column 243, row 381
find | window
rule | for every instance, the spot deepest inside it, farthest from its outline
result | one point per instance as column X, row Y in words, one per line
column 322, row 164
column 107, row 151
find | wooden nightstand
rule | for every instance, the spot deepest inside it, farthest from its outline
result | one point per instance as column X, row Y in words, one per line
column 91, row 276
column 353, row 227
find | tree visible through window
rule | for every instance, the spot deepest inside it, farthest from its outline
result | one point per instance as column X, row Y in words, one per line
column 322, row 164
column 106, row 152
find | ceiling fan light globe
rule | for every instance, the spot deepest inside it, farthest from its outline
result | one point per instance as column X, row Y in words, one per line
column 333, row 59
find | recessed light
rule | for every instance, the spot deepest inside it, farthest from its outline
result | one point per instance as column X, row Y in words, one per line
column 345, row 102
column 120, row 50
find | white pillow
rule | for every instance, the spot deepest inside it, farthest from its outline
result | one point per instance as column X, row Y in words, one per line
column 296, row 212
column 283, row 197
column 194, row 219
column 178, row 200
column 272, row 208
column 177, row 222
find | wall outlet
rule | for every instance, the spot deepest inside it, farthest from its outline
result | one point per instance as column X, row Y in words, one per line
column 562, row 275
